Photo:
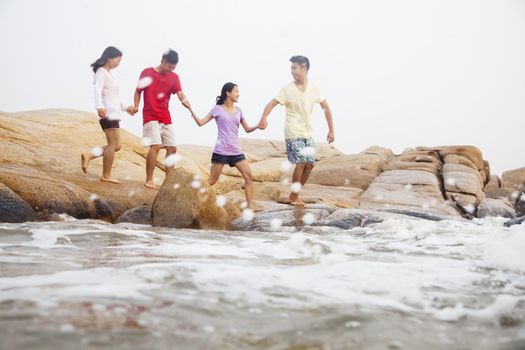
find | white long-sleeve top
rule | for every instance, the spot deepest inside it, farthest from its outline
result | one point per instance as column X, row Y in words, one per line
column 106, row 94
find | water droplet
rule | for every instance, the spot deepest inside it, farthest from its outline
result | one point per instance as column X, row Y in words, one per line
column 220, row 201
column 308, row 219
column 285, row 166
column 276, row 224
column 171, row 160
column 144, row 82
column 97, row 151
column 296, row 187
column 247, row 214
column 196, row 184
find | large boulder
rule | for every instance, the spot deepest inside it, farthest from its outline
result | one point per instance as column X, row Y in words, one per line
column 48, row 195
column 13, row 208
column 460, row 178
column 514, row 179
column 414, row 190
column 356, row 171
column 185, row 201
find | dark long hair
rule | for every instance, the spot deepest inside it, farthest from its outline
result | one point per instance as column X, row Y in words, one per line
column 228, row 87
column 109, row 52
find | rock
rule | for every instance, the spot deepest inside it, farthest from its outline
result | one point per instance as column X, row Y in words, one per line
column 470, row 152
column 460, row 178
column 187, row 206
column 268, row 170
column 467, row 203
column 45, row 171
column 515, row 221
column 139, row 215
column 413, row 190
column 520, row 204
column 495, row 207
column 341, row 197
column 492, row 185
column 48, row 195
column 290, row 218
column 514, row 179
column 356, row 171
column 455, row 159
column 13, row 208
column 486, row 172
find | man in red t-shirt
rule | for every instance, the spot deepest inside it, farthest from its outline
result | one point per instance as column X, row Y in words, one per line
column 158, row 84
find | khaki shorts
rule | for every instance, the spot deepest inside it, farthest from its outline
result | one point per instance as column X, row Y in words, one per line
column 155, row 133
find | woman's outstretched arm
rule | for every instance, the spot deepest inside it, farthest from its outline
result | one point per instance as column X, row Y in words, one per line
column 199, row 121
column 248, row 128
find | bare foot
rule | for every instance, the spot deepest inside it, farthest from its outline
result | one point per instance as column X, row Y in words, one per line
column 294, row 200
column 255, row 207
column 84, row 161
column 151, row 185
column 111, row 180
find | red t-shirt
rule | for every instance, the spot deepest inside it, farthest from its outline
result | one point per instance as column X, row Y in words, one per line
column 158, row 89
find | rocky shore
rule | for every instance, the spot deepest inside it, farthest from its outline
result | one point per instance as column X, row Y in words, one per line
column 41, row 178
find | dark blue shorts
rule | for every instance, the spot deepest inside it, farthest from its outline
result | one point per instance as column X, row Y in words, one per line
column 217, row 158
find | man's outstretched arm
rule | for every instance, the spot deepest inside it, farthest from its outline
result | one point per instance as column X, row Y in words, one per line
column 329, row 120
column 263, row 123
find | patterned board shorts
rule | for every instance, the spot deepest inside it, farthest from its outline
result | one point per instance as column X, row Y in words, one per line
column 301, row 150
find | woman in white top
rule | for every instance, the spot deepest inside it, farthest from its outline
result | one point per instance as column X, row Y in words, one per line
column 109, row 108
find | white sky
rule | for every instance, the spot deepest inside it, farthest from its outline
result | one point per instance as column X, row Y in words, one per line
column 396, row 73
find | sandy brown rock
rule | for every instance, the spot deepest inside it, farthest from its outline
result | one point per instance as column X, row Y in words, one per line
column 356, row 171
column 340, row 197
column 180, row 205
column 514, row 179
column 493, row 184
column 460, row 178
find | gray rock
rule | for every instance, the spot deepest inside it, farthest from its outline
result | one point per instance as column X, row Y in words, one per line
column 289, row 217
column 515, row 221
column 495, row 207
column 13, row 208
column 138, row 215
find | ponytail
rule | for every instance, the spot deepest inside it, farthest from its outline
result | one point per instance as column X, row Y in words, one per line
column 228, row 87
column 109, row 52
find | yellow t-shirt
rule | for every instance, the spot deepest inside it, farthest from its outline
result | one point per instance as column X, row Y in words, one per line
column 299, row 107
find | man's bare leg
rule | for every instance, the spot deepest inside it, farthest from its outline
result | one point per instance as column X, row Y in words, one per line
column 151, row 161
column 296, row 178
column 169, row 151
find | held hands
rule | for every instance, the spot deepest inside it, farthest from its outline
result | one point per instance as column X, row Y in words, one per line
column 131, row 110
column 330, row 138
column 263, row 123
column 101, row 113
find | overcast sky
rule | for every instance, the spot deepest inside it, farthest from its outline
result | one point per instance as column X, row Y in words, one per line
column 397, row 74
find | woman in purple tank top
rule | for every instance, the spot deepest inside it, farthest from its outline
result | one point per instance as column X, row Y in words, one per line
column 228, row 118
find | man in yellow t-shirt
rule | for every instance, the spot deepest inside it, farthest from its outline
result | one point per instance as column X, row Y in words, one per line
column 299, row 97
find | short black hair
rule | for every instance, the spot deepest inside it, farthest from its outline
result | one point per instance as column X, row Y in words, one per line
column 171, row 56
column 301, row 60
